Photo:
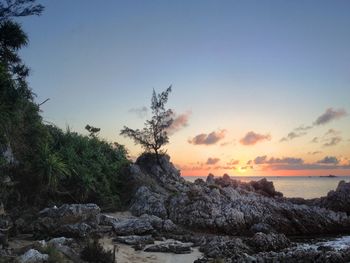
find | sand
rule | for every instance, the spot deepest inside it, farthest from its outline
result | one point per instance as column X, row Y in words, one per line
column 127, row 254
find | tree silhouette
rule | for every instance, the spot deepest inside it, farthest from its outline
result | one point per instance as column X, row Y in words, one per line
column 93, row 131
column 154, row 135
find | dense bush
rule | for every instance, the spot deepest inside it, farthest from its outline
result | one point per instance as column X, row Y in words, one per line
column 41, row 164
column 94, row 252
column 88, row 168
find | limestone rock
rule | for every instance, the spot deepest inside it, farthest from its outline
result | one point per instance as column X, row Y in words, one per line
column 33, row 256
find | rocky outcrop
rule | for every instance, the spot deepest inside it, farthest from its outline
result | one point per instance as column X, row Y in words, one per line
column 224, row 205
column 75, row 220
column 149, row 202
column 338, row 200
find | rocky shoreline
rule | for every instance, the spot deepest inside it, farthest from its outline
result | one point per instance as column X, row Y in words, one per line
column 223, row 218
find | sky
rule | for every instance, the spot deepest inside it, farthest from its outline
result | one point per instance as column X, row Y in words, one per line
column 258, row 87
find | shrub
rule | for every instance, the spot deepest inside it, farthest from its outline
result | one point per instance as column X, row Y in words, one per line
column 94, row 252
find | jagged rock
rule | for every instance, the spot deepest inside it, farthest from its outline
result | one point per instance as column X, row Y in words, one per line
column 269, row 242
column 148, row 202
column 74, row 230
column 225, row 247
column 76, row 220
column 133, row 226
column 265, row 187
column 33, row 256
column 262, row 227
column 134, row 240
column 338, row 200
column 107, row 220
column 304, row 255
column 225, row 205
column 73, row 213
column 171, row 247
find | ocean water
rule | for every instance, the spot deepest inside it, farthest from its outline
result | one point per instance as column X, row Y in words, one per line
column 294, row 186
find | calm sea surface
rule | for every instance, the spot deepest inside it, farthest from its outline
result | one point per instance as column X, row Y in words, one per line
column 295, row 186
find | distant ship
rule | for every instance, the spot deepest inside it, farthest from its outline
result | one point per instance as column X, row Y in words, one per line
column 330, row 175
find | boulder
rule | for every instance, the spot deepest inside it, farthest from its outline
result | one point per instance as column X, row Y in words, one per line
column 269, row 242
column 134, row 240
column 76, row 220
column 73, row 213
column 133, row 226
column 171, row 247
column 338, row 200
column 33, row 256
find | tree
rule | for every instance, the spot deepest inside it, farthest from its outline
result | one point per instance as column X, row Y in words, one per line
column 93, row 131
column 154, row 135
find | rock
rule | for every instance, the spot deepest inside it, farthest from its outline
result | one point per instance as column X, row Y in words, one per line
column 33, row 256
column 227, row 206
column 74, row 213
column 262, row 227
column 210, row 179
column 60, row 241
column 134, row 240
column 147, row 202
column 225, row 247
column 107, row 220
column 305, row 255
column 338, row 200
column 266, row 188
column 76, row 220
column 171, row 247
column 269, row 242
column 133, row 226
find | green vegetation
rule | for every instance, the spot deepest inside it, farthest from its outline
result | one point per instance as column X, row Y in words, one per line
column 41, row 164
column 94, row 252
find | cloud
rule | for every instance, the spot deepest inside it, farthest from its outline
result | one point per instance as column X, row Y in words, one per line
column 303, row 128
column 314, row 140
column 297, row 132
column 329, row 160
column 252, row 138
column 293, row 135
column 292, row 163
column 332, row 141
column 140, row 112
column 180, row 121
column 212, row 161
column 233, row 162
column 329, row 115
column 208, row 139
column 314, row 153
column 272, row 160
column 332, row 132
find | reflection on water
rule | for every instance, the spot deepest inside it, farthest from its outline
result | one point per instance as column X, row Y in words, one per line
column 295, row 186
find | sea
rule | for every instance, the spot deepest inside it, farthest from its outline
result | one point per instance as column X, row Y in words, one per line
column 294, row 186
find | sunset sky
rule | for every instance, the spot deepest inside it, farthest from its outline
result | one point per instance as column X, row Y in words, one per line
column 259, row 87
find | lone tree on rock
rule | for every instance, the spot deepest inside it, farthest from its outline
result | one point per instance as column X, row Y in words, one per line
column 154, row 135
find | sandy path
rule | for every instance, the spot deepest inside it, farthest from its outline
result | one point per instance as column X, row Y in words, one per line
column 127, row 254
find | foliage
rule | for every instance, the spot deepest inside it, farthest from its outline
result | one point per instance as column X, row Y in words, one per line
column 154, row 135
column 55, row 256
column 91, row 167
column 94, row 252
column 93, row 131
column 49, row 165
